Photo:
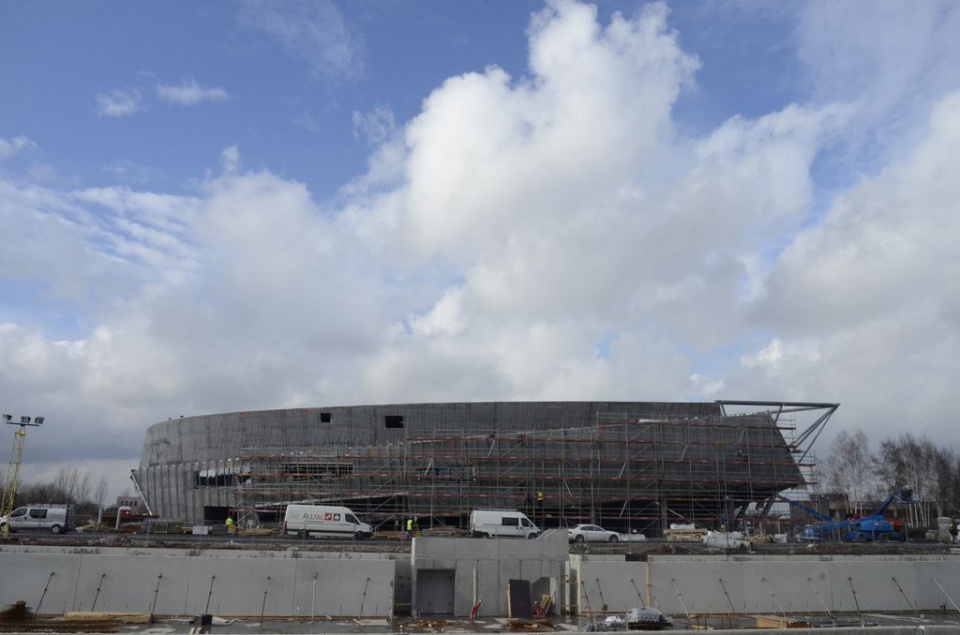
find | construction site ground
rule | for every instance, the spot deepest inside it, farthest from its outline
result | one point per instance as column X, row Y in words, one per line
column 397, row 543
column 848, row 624
column 931, row 621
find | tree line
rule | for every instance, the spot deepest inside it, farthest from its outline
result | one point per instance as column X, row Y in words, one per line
column 865, row 477
column 69, row 487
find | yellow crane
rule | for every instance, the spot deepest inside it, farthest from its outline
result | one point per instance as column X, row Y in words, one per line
column 13, row 469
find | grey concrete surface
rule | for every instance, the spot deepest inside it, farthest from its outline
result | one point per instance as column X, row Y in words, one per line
column 481, row 569
column 446, row 576
column 181, row 582
column 767, row 584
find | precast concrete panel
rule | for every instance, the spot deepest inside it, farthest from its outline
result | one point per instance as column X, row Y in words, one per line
column 178, row 582
column 355, row 588
column 533, row 570
column 490, row 591
column 495, row 561
column 170, row 582
column 174, row 582
column 696, row 587
column 722, row 584
column 514, row 548
column 937, row 584
column 230, row 586
column 111, row 582
column 438, row 547
column 33, row 577
column 132, row 582
column 464, row 583
column 616, row 585
column 775, row 585
column 799, row 584
column 867, row 584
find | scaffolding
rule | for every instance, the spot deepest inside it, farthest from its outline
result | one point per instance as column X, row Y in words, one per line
column 624, row 472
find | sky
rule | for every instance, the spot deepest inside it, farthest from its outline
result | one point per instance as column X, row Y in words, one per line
column 228, row 206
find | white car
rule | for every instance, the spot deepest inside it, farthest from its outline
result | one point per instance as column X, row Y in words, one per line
column 592, row 533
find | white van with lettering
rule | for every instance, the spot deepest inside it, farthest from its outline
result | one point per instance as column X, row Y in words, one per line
column 324, row 521
column 500, row 523
column 53, row 518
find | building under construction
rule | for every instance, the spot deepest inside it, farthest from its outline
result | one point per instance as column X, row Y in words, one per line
column 630, row 466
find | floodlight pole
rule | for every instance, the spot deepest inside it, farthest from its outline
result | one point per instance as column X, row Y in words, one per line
column 16, row 455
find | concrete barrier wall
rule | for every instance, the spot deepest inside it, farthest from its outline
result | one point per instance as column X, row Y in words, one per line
column 346, row 584
column 181, row 582
column 598, row 583
column 804, row 584
column 768, row 584
column 487, row 565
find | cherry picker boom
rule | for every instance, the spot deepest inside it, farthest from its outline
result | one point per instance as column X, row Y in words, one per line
column 875, row 527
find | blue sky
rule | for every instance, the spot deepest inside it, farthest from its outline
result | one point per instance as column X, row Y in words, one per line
column 243, row 205
column 290, row 105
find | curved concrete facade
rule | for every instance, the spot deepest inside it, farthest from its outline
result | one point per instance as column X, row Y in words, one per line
column 633, row 465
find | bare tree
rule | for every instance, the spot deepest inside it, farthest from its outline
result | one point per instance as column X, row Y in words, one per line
column 101, row 492
column 69, row 486
column 62, row 486
column 39, row 493
column 942, row 462
column 850, row 469
column 83, row 488
column 953, row 503
column 929, row 469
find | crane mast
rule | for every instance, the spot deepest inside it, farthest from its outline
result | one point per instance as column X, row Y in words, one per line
column 13, row 467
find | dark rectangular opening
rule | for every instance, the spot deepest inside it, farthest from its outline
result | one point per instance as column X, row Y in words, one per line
column 210, row 478
column 325, row 417
column 394, row 421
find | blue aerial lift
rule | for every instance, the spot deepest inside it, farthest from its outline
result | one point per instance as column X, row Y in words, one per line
column 874, row 527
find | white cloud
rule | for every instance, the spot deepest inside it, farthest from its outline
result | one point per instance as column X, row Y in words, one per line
column 230, row 159
column 189, row 93
column 128, row 171
column 893, row 60
column 774, row 359
column 887, row 244
column 119, row 103
column 13, row 146
column 866, row 303
column 376, row 125
column 547, row 236
column 533, row 217
column 314, row 32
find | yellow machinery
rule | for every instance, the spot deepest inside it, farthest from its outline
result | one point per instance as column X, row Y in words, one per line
column 13, row 470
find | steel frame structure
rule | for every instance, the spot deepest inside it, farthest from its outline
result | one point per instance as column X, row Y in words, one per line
column 13, row 466
column 625, row 472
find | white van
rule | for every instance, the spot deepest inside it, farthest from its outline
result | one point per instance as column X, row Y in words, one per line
column 53, row 518
column 324, row 521
column 499, row 523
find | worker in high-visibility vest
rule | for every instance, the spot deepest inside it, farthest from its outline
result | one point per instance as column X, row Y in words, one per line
column 229, row 524
column 409, row 528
